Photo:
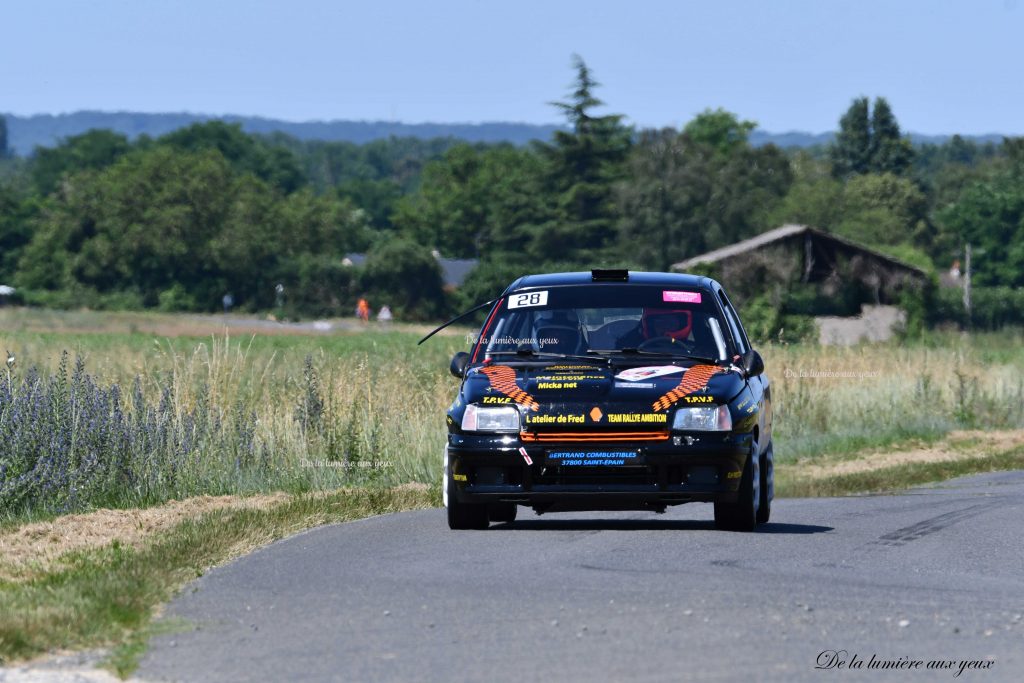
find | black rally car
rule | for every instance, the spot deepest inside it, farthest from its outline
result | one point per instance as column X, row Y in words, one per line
column 609, row 390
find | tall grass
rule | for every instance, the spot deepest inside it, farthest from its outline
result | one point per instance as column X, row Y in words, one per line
column 136, row 420
column 170, row 419
column 835, row 400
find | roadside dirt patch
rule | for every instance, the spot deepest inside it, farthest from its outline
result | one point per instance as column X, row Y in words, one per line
column 418, row 487
column 37, row 544
column 62, row 667
column 958, row 445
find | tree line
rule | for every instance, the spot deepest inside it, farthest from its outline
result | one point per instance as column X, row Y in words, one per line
column 175, row 222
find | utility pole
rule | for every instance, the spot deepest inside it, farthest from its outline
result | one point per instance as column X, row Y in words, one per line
column 967, row 282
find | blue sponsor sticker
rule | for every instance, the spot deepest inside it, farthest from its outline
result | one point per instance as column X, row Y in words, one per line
column 593, row 458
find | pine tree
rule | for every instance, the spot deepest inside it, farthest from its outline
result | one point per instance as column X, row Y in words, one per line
column 583, row 165
column 869, row 141
column 851, row 151
column 890, row 153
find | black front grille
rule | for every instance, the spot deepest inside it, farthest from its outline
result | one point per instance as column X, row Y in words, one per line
column 641, row 475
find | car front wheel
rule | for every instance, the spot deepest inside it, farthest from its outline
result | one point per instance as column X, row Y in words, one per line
column 767, row 488
column 741, row 515
column 463, row 515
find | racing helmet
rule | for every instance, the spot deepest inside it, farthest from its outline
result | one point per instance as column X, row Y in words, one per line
column 675, row 323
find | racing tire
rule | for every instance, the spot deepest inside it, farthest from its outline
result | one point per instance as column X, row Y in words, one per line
column 741, row 515
column 464, row 515
column 764, row 506
column 502, row 512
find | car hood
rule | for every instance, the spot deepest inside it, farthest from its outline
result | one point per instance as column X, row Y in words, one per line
column 593, row 394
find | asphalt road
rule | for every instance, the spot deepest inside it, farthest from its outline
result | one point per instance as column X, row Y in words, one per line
column 933, row 574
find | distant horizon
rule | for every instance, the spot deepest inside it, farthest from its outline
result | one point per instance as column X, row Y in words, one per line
column 264, row 117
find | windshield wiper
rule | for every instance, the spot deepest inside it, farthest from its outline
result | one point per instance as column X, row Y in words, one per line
column 457, row 318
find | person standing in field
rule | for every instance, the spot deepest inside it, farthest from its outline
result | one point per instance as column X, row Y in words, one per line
column 384, row 315
column 363, row 310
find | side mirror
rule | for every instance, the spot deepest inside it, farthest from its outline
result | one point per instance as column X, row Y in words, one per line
column 459, row 363
column 753, row 364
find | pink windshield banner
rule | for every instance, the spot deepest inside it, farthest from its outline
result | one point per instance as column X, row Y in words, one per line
column 681, row 297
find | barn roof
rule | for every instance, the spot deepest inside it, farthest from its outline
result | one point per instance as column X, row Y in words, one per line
column 792, row 232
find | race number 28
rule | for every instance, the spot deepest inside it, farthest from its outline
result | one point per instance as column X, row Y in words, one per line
column 528, row 299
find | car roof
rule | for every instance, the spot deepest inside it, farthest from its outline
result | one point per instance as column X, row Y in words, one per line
column 635, row 278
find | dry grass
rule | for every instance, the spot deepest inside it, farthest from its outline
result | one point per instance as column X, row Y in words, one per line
column 34, row 548
column 106, row 595
column 958, row 445
column 834, row 400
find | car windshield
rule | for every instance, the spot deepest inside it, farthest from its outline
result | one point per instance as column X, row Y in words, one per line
column 605, row 319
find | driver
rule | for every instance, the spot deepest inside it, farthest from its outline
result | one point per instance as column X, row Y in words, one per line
column 655, row 323
column 559, row 332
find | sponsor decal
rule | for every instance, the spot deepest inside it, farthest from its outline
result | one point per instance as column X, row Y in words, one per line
column 526, row 456
column 637, row 418
column 460, row 477
column 497, row 399
column 681, row 297
column 567, row 378
column 556, row 385
column 592, row 458
column 503, row 380
column 695, row 379
column 528, row 299
column 637, row 374
column 596, row 414
column 554, row 419
column 634, row 385
column 699, row 399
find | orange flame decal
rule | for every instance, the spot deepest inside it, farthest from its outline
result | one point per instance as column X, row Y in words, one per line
column 503, row 379
column 693, row 380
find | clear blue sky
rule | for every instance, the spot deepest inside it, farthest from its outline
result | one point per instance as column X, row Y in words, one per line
column 954, row 66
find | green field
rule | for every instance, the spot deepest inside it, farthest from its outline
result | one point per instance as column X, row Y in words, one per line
column 307, row 412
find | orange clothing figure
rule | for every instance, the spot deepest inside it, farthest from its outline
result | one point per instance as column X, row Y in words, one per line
column 363, row 310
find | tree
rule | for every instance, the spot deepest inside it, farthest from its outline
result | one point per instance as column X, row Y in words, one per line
column 3, row 137
column 246, row 153
column 989, row 215
column 883, row 209
column 719, row 129
column 682, row 197
column 869, row 144
column 406, row 277
column 474, row 202
column 95, row 149
column 137, row 228
column 851, row 151
column 583, row 166
column 890, row 153
column 814, row 198
column 15, row 217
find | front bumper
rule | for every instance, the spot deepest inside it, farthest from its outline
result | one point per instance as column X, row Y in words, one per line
column 688, row 467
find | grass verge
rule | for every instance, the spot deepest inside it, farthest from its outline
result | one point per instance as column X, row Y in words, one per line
column 106, row 597
column 790, row 484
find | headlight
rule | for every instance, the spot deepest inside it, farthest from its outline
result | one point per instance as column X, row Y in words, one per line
column 490, row 419
column 703, row 419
